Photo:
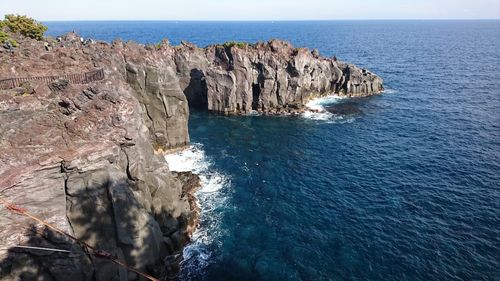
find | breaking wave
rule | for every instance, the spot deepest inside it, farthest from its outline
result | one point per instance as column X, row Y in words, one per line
column 317, row 110
column 390, row 91
column 197, row 255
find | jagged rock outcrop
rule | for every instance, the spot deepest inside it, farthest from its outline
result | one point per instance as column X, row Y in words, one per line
column 87, row 158
column 82, row 158
column 271, row 77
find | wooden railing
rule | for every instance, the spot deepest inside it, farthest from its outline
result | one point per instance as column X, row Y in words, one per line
column 82, row 78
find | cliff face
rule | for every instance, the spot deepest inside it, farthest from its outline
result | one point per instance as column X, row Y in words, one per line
column 82, row 157
column 87, row 158
column 271, row 77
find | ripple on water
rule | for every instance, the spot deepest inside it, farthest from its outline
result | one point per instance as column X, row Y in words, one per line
column 409, row 191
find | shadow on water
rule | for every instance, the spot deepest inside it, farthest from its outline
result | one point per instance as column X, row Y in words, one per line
column 352, row 106
column 107, row 217
column 348, row 108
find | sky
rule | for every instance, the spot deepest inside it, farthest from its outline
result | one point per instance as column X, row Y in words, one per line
column 47, row 10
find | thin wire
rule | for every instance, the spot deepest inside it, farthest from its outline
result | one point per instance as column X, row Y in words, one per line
column 20, row 211
column 42, row 249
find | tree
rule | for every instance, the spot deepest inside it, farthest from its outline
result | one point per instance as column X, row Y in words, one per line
column 24, row 25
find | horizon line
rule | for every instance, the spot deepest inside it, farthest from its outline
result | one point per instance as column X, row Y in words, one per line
column 270, row 20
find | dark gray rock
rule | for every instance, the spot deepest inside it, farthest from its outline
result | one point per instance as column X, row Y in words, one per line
column 164, row 104
column 59, row 85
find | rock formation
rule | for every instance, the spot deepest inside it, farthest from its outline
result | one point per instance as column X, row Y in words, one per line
column 270, row 78
column 82, row 157
column 87, row 158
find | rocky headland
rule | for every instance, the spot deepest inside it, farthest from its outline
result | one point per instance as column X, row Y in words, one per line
column 85, row 153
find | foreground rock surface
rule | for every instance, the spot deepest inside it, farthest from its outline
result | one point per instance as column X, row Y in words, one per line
column 88, row 159
column 82, row 158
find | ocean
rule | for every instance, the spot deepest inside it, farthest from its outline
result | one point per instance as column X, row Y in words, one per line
column 400, row 186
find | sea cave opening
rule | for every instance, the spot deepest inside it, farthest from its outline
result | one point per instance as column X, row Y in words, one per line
column 196, row 91
column 256, row 90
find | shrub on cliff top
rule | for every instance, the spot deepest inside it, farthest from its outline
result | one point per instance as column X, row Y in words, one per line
column 25, row 26
column 5, row 38
column 230, row 44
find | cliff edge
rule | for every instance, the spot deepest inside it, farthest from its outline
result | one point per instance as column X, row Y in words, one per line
column 83, row 129
column 269, row 78
column 80, row 148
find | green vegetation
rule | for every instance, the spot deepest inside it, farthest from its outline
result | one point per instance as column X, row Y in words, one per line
column 5, row 38
column 158, row 45
column 20, row 24
column 25, row 25
column 230, row 44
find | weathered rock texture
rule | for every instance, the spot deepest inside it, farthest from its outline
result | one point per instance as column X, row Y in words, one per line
column 88, row 158
column 271, row 77
column 82, row 157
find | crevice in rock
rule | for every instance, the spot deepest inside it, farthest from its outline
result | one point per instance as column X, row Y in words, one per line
column 256, row 91
column 196, row 92
column 164, row 103
column 278, row 87
column 65, row 176
column 292, row 71
column 129, row 174
column 64, row 171
column 347, row 74
column 229, row 54
column 258, row 87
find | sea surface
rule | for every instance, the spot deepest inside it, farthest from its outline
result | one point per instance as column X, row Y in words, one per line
column 401, row 186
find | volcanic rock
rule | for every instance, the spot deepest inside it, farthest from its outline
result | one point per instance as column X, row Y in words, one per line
column 84, row 153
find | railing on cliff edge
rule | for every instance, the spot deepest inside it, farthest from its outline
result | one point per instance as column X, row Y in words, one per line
column 82, row 78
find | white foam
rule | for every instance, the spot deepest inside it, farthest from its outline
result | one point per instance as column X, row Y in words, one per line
column 193, row 159
column 323, row 116
column 211, row 198
column 212, row 182
column 253, row 113
column 389, row 91
column 319, row 103
column 317, row 110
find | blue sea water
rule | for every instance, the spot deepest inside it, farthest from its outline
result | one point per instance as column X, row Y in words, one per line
column 401, row 186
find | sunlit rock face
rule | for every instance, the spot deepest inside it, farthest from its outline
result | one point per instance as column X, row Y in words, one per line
column 87, row 156
column 271, row 77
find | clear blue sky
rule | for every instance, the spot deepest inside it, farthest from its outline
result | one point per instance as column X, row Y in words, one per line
column 251, row 9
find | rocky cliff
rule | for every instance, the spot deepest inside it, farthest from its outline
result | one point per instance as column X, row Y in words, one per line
column 82, row 158
column 271, row 78
column 85, row 155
